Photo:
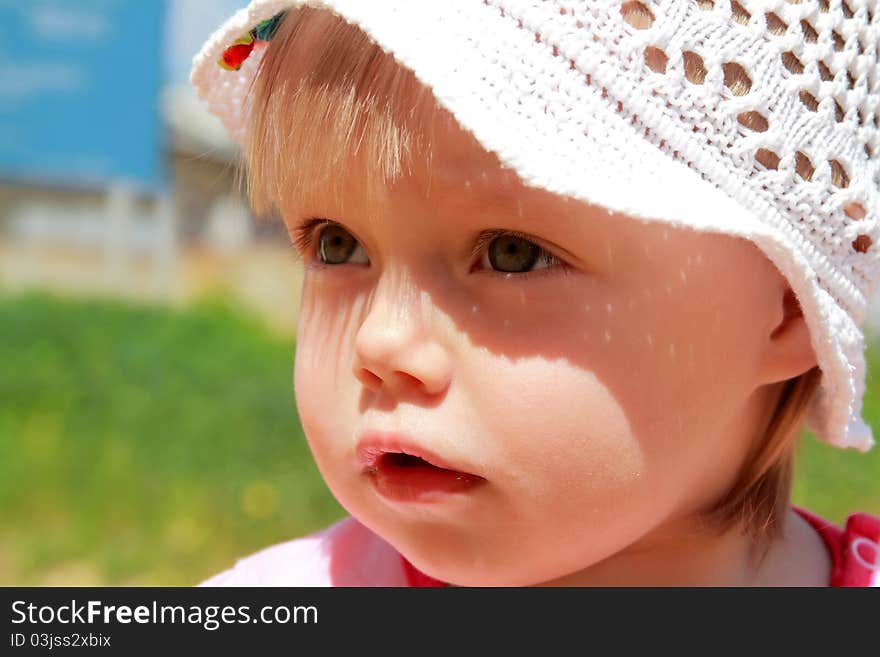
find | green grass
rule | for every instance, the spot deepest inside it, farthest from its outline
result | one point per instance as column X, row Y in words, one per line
column 146, row 445
column 834, row 482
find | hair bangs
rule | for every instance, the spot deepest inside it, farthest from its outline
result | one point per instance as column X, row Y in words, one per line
column 325, row 100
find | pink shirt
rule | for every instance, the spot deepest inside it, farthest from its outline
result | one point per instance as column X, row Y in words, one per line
column 349, row 554
column 344, row 554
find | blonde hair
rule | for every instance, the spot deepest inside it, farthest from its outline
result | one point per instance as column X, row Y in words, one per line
column 761, row 495
column 324, row 73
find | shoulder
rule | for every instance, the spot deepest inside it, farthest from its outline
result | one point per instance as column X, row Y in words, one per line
column 344, row 554
column 854, row 548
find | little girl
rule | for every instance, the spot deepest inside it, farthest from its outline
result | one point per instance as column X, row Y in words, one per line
column 576, row 274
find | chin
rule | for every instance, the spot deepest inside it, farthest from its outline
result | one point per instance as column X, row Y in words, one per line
column 465, row 574
column 445, row 556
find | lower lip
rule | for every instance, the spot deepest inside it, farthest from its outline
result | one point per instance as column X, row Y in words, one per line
column 420, row 483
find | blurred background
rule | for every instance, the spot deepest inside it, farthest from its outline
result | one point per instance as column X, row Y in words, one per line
column 148, row 430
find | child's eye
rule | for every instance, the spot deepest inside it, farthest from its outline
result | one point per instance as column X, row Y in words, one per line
column 509, row 252
column 334, row 244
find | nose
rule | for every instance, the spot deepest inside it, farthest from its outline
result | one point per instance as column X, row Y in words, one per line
column 397, row 345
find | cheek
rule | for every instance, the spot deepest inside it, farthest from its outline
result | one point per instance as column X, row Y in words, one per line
column 568, row 469
column 553, row 429
column 695, row 340
column 318, row 385
column 328, row 421
column 611, row 402
column 681, row 365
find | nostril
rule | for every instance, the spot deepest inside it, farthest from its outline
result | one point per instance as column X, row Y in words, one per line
column 368, row 378
column 425, row 386
column 409, row 378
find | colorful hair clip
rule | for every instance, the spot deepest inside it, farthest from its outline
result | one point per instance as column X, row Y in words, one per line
column 236, row 54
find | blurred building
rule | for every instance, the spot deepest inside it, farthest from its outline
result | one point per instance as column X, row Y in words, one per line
column 113, row 177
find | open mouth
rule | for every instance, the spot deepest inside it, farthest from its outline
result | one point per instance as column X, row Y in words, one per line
column 405, row 477
column 401, row 460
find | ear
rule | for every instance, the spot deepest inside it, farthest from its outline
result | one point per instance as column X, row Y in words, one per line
column 789, row 352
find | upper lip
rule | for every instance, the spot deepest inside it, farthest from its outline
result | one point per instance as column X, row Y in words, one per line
column 373, row 444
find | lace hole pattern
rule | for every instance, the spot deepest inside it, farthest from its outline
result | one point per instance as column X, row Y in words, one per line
column 814, row 98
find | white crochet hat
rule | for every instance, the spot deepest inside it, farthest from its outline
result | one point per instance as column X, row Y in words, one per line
column 633, row 106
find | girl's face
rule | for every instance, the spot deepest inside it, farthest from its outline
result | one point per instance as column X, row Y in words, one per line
column 600, row 373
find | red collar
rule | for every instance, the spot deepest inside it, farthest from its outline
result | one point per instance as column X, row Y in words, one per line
column 416, row 577
column 853, row 549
